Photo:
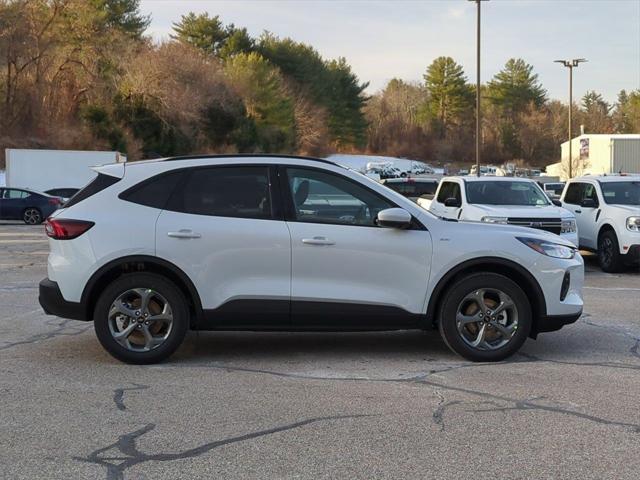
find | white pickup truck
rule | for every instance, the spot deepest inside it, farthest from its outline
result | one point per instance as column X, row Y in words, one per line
column 502, row 200
column 607, row 210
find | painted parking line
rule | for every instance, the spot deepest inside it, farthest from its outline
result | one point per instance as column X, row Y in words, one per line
column 12, row 242
column 613, row 289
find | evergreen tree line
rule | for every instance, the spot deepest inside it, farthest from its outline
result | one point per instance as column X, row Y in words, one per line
column 81, row 74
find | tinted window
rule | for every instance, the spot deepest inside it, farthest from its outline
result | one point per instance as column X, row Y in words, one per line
column 96, row 185
column 621, row 193
column 449, row 190
column 505, row 193
column 413, row 189
column 63, row 192
column 321, row 197
column 574, row 193
column 241, row 192
column 154, row 192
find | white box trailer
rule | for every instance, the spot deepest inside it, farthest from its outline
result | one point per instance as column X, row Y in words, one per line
column 597, row 154
column 42, row 170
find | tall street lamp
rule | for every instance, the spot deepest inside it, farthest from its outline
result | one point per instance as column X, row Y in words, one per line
column 478, row 2
column 571, row 64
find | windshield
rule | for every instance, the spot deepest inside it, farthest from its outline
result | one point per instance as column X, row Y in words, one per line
column 621, row 193
column 506, row 193
column 413, row 189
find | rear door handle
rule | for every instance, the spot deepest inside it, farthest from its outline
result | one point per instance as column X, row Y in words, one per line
column 578, row 211
column 184, row 233
column 318, row 241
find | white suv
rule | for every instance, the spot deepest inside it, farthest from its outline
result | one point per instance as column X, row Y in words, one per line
column 607, row 209
column 151, row 249
column 501, row 200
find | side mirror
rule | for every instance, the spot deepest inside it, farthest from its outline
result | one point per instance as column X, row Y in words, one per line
column 452, row 202
column 394, row 218
column 588, row 203
column 556, row 202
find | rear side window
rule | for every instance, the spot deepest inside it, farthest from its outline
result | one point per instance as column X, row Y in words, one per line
column 574, row 193
column 413, row 188
column 96, row 185
column 241, row 192
column 449, row 190
column 154, row 192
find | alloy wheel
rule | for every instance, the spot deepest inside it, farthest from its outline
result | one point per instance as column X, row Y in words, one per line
column 487, row 319
column 140, row 319
column 32, row 216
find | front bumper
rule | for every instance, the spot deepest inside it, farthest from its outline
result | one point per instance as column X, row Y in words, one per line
column 53, row 303
column 632, row 257
column 551, row 323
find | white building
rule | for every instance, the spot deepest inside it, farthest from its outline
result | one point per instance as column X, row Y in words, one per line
column 596, row 154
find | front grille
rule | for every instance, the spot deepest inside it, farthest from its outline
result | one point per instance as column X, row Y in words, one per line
column 553, row 225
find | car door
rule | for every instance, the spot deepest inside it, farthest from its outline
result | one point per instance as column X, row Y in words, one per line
column 585, row 217
column 223, row 228
column 12, row 203
column 450, row 189
column 347, row 272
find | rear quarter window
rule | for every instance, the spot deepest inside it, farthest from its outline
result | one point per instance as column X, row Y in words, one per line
column 96, row 185
column 155, row 191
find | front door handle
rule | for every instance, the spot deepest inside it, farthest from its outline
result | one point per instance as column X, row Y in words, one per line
column 184, row 233
column 318, row 241
column 578, row 211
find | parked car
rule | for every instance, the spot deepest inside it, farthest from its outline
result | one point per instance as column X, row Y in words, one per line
column 30, row 207
column 501, row 200
column 291, row 243
column 607, row 210
column 553, row 189
column 413, row 187
column 64, row 193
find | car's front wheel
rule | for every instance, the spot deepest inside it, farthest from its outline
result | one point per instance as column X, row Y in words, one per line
column 141, row 318
column 32, row 216
column 485, row 317
column 609, row 255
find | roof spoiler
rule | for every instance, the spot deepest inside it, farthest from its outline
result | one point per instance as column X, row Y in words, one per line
column 112, row 169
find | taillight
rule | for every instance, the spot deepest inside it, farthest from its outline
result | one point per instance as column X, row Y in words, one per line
column 64, row 229
column 55, row 201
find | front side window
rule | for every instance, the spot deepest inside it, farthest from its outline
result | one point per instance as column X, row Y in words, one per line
column 621, row 193
column 321, row 197
column 449, row 190
column 506, row 193
column 574, row 193
column 241, row 192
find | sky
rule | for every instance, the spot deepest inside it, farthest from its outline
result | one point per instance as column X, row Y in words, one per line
column 386, row 39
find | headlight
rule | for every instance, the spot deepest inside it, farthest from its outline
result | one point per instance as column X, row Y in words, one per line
column 494, row 219
column 568, row 226
column 549, row 249
column 633, row 224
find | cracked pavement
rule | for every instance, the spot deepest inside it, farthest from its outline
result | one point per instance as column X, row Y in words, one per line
column 321, row 405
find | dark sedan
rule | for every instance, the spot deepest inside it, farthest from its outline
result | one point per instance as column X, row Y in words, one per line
column 26, row 205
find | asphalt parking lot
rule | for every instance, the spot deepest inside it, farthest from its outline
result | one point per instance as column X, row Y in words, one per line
column 291, row 405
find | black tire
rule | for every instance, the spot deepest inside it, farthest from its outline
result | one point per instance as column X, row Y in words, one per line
column 164, row 288
column 609, row 256
column 32, row 216
column 454, row 298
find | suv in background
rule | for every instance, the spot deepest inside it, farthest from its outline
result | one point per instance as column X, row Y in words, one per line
column 501, row 200
column 151, row 249
column 607, row 210
column 26, row 205
column 413, row 187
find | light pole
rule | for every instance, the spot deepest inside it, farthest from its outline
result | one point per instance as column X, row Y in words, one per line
column 478, row 2
column 571, row 64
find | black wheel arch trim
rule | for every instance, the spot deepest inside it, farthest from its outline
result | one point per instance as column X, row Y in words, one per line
column 539, row 306
column 88, row 299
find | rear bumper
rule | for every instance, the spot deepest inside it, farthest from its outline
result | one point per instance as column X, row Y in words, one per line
column 53, row 303
column 551, row 323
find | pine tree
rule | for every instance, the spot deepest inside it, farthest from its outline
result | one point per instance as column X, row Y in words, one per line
column 201, row 31
column 515, row 87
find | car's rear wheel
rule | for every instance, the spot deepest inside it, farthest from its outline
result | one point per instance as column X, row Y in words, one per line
column 141, row 318
column 32, row 216
column 485, row 317
column 609, row 253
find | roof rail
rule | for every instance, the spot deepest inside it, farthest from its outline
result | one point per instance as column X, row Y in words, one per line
column 244, row 155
